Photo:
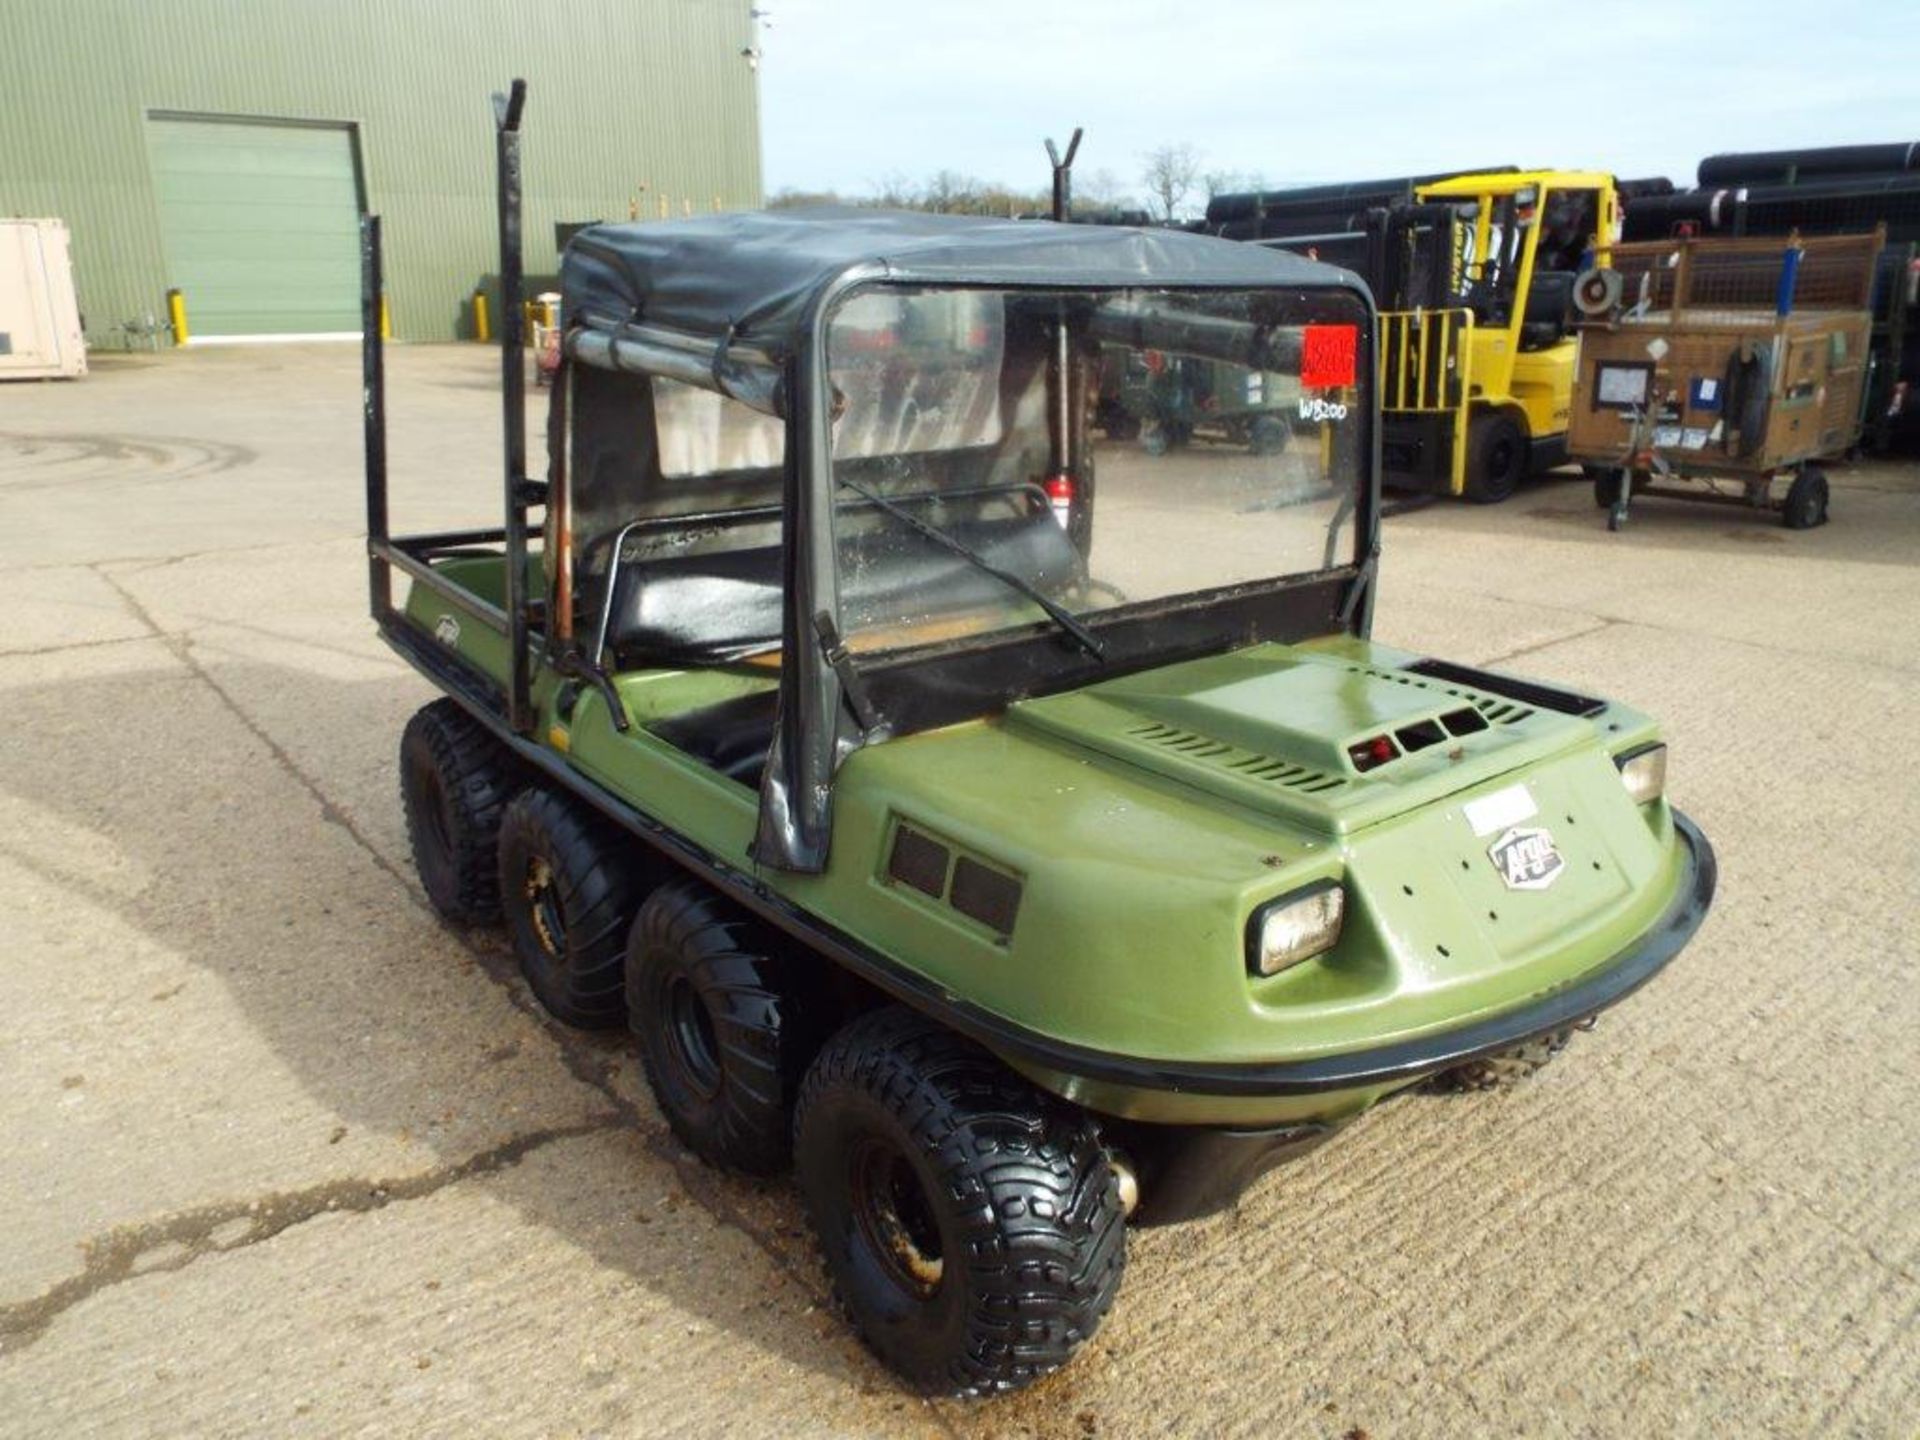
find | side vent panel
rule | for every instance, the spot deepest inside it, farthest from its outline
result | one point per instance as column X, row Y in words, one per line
column 918, row 860
column 973, row 887
column 985, row 895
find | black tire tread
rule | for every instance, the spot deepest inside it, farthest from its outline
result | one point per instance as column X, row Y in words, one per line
column 1805, row 506
column 1480, row 488
column 760, row 1028
column 597, row 892
column 1045, row 1232
column 479, row 778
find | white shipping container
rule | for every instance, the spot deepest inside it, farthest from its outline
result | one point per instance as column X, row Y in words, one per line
column 39, row 316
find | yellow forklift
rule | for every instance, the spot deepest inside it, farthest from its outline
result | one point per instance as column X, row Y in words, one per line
column 1477, row 344
column 1474, row 277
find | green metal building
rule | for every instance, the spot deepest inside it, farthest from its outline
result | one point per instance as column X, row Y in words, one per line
column 226, row 147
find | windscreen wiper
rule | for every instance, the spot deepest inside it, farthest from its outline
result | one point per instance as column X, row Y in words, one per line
column 1059, row 614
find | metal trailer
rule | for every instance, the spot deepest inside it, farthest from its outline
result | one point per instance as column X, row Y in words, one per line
column 1731, row 365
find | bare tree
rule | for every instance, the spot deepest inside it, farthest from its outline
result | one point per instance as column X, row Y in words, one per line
column 953, row 193
column 893, row 191
column 1103, row 190
column 789, row 198
column 947, row 190
column 1169, row 174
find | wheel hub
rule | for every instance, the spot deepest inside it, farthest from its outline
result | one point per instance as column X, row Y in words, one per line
column 543, row 905
column 690, row 1030
column 892, row 1212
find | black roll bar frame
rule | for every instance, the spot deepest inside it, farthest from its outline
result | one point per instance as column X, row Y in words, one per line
column 413, row 555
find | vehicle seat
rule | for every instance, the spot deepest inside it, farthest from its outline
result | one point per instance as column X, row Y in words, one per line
column 733, row 736
column 708, row 608
column 1549, row 315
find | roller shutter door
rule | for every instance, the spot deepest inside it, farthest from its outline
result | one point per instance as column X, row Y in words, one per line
column 260, row 222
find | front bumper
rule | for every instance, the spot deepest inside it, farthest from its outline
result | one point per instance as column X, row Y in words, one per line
column 1104, row 1081
column 1188, row 1171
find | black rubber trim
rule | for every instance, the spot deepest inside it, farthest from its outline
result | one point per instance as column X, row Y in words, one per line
column 1387, row 1064
column 1530, row 692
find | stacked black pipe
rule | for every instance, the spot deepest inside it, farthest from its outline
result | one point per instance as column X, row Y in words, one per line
column 1838, row 190
column 1314, row 210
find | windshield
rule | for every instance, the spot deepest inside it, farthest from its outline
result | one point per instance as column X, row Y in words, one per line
column 1002, row 456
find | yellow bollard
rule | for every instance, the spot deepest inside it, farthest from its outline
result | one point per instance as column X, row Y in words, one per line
column 177, row 316
column 482, row 327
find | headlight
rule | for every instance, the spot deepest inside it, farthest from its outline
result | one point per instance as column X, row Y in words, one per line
column 1644, row 773
column 1295, row 927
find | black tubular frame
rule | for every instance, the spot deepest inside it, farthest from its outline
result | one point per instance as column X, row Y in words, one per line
column 373, row 408
column 413, row 555
column 518, row 490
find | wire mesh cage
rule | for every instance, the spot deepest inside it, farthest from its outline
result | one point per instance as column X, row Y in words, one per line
column 1691, row 280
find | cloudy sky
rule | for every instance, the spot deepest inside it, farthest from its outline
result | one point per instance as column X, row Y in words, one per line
column 854, row 91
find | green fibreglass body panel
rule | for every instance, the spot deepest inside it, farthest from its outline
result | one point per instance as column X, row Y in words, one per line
column 1141, row 865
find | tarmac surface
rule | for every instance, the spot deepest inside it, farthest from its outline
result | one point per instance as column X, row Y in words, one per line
column 283, row 1155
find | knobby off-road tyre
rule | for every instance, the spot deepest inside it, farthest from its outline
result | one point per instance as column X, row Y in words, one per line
column 455, row 780
column 972, row 1226
column 568, row 891
column 1505, row 1070
column 724, row 1036
column 1496, row 458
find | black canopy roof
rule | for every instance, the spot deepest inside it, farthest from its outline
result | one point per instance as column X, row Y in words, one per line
column 757, row 273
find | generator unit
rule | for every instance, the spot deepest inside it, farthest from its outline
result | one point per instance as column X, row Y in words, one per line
column 1733, row 364
column 40, row 335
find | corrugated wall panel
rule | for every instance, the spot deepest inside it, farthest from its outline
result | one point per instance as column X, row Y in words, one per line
column 631, row 100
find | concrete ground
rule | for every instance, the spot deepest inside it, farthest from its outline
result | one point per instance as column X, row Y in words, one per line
column 283, row 1155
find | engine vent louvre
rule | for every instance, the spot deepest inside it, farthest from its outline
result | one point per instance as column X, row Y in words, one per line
column 1498, row 712
column 1503, row 712
column 1241, row 762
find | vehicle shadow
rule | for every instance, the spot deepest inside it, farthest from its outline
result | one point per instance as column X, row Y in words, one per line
column 242, row 880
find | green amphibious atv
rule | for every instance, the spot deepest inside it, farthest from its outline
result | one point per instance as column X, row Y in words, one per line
column 1014, row 834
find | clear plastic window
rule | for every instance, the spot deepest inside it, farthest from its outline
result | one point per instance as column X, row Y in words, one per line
column 702, row 432
column 1099, row 449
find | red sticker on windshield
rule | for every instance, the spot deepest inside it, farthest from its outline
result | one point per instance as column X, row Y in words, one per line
column 1329, row 356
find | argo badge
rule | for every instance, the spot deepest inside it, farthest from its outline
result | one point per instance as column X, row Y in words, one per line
column 1526, row 859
